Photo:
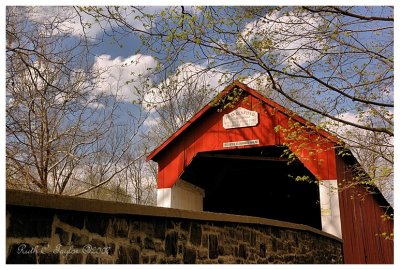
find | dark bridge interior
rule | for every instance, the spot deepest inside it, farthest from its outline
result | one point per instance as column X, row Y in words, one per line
column 256, row 182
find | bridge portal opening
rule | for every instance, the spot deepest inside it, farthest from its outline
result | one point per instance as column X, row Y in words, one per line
column 256, row 182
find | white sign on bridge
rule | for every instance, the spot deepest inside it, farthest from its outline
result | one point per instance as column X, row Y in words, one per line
column 240, row 117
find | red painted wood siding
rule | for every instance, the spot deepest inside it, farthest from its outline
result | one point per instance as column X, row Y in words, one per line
column 361, row 221
column 208, row 134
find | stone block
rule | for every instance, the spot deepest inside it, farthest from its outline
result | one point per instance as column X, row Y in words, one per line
column 279, row 245
column 288, row 247
column 302, row 259
column 171, row 244
column 158, row 245
column 185, row 225
column 183, row 236
column 63, row 235
column 262, row 261
column 48, row 258
column 134, row 225
column 103, row 260
column 229, row 250
column 127, row 255
column 274, row 245
column 229, row 259
column 202, row 253
column 120, row 228
column 221, row 250
column 239, row 261
column 263, row 251
column 138, row 241
column 162, row 260
column 290, row 235
column 204, row 240
column 97, row 223
column 239, row 235
column 149, row 259
column 242, row 251
column 246, row 235
column 289, row 258
column 232, row 232
column 253, row 238
column 212, row 246
column 75, row 258
column 173, row 260
column 132, row 236
column 74, row 219
column 231, row 242
column 271, row 259
column 79, row 240
column 189, row 256
column 111, row 248
column 22, row 253
column 148, row 243
column 147, row 227
column 195, row 234
column 159, row 229
column 252, row 250
column 90, row 259
column 251, row 258
column 145, row 259
column 275, row 232
column 171, row 224
column 96, row 243
column 221, row 237
column 30, row 222
column 153, row 259
column 134, row 230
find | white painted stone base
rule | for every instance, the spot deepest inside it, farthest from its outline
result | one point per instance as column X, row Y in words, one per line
column 182, row 195
column 330, row 211
column 164, row 197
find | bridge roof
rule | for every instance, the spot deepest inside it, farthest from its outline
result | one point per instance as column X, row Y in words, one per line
column 236, row 84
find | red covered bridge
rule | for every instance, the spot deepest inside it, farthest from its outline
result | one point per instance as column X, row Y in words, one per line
column 245, row 155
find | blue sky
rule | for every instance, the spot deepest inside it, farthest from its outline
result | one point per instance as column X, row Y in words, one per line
column 113, row 54
column 110, row 52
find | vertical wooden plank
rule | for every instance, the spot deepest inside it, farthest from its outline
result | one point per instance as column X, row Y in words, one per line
column 360, row 221
column 265, row 131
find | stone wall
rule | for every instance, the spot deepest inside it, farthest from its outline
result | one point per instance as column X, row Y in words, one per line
column 57, row 229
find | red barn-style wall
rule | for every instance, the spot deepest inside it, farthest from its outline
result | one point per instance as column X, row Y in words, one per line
column 204, row 132
column 362, row 222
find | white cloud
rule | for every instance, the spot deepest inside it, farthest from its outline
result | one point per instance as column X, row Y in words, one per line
column 185, row 77
column 340, row 128
column 120, row 75
column 84, row 24
column 181, row 87
column 348, row 116
column 150, row 121
column 288, row 35
column 67, row 19
column 258, row 81
column 96, row 105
